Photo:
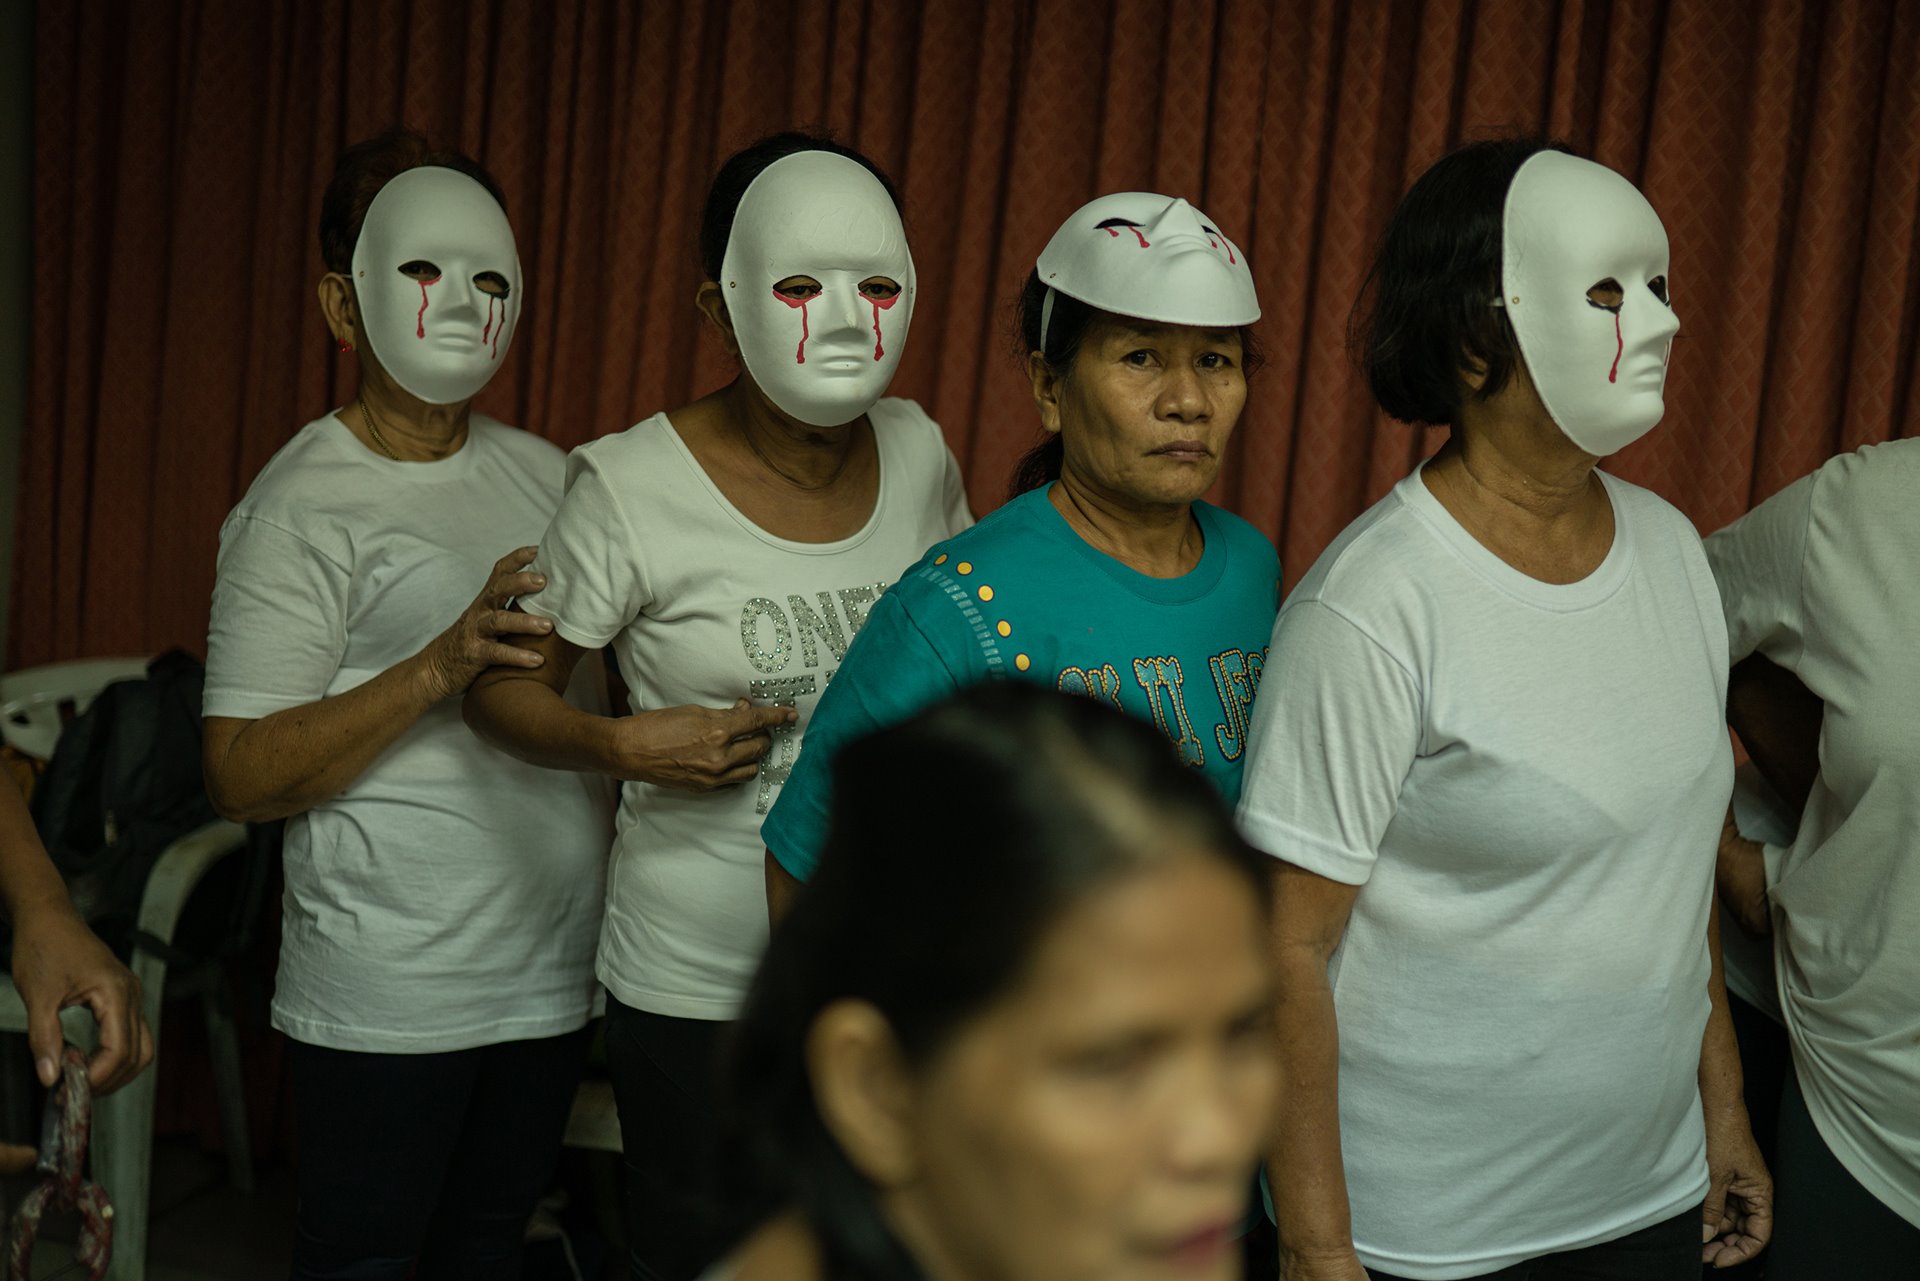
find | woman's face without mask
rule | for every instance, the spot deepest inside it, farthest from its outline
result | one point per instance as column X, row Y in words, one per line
column 1101, row 1121
column 1148, row 408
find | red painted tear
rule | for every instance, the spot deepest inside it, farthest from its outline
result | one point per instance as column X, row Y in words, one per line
column 1619, row 346
column 420, row 321
column 880, row 305
column 800, row 352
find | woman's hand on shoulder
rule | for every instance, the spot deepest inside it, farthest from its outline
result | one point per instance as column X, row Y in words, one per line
column 696, row 749
column 480, row 638
column 1740, row 876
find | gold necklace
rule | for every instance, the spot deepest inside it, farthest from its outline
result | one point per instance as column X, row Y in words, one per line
column 366, row 416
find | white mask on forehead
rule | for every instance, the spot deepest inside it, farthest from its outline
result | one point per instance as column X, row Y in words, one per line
column 824, row 357
column 1597, row 351
column 438, row 282
column 1152, row 257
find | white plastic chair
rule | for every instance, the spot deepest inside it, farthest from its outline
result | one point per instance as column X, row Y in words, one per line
column 37, row 702
column 31, row 712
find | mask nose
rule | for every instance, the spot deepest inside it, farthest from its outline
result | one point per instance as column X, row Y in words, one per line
column 1650, row 318
column 1178, row 218
column 457, row 297
column 843, row 310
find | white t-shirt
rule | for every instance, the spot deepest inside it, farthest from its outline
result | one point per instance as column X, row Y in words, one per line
column 703, row 606
column 1528, row 781
column 1824, row 579
column 449, row 897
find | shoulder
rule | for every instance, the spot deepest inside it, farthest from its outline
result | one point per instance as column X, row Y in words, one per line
column 906, row 419
column 1007, row 531
column 905, row 433
column 633, row 456
column 302, row 479
column 1365, row 567
column 520, row 445
column 951, row 569
column 1660, row 533
column 1888, row 471
column 1649, row 511
column 1253, row 551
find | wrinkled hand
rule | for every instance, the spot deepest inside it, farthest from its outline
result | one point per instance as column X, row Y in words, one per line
column 476, row 641
column 1740, row 876
column 58, row 962
column 697, row 749
column 1737, row 1218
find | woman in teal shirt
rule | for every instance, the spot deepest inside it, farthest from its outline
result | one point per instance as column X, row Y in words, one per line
column 1107, row 576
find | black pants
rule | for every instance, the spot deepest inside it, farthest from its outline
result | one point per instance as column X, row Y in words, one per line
column 664, row 1071
column 425, row 1165
column 1667, row 1251
column 1825, row 1224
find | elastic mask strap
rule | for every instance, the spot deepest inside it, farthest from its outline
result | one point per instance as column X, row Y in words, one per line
column 1046, row 319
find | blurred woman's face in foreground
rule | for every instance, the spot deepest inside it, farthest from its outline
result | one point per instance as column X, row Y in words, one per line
column 1103, row 1120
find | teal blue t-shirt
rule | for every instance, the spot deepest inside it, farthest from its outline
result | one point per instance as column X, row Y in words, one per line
column 1022, row 595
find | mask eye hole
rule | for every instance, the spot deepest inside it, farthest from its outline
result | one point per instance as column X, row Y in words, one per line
column 1606, row 295
column 492, row 283
column 1659, row 287
column 421, row 270
column 879, row 288
column 798, row 288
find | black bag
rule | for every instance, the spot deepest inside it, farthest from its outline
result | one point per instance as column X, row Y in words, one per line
column 123, row 784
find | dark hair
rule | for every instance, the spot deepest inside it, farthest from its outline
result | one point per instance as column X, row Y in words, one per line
column 1066, row 330
column 367, row 166
column 1426, row 306
column 931, row 922
column 739, row 170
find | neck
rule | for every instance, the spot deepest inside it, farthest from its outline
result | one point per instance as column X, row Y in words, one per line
column 416, row 431
column 919, row 1234
column 1161, row 540
column 1527, row 470
column 800, row 454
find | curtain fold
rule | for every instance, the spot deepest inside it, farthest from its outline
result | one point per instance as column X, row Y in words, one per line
column 180, row 153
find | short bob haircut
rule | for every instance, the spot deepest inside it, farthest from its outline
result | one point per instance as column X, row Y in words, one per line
column 738, row 171
column 1426, row 311
column 363, row 169
column 1066, row 330
column 933, row 921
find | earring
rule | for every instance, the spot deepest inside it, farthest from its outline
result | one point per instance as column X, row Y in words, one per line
column 345, row 346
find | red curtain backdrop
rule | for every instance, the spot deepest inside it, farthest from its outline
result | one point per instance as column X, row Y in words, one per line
column 181, row 150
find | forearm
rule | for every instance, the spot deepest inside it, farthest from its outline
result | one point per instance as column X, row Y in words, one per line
column 295, row 759
column 782, row 886
column 1304, row 1164
column 1722, row 1087
column 28, row 879
column 525, row 717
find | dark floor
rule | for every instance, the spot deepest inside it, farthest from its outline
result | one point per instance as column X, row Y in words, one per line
column 203, row 1230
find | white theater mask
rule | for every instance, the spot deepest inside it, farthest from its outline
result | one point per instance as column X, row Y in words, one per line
column 438, row 282
column 1152, row 257
column 1585, row 270
column 819, row 285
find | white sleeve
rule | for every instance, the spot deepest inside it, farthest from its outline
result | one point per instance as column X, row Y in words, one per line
column 278, row 628
column 596, row 584
column 1335, row 729
column 1758, row 565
